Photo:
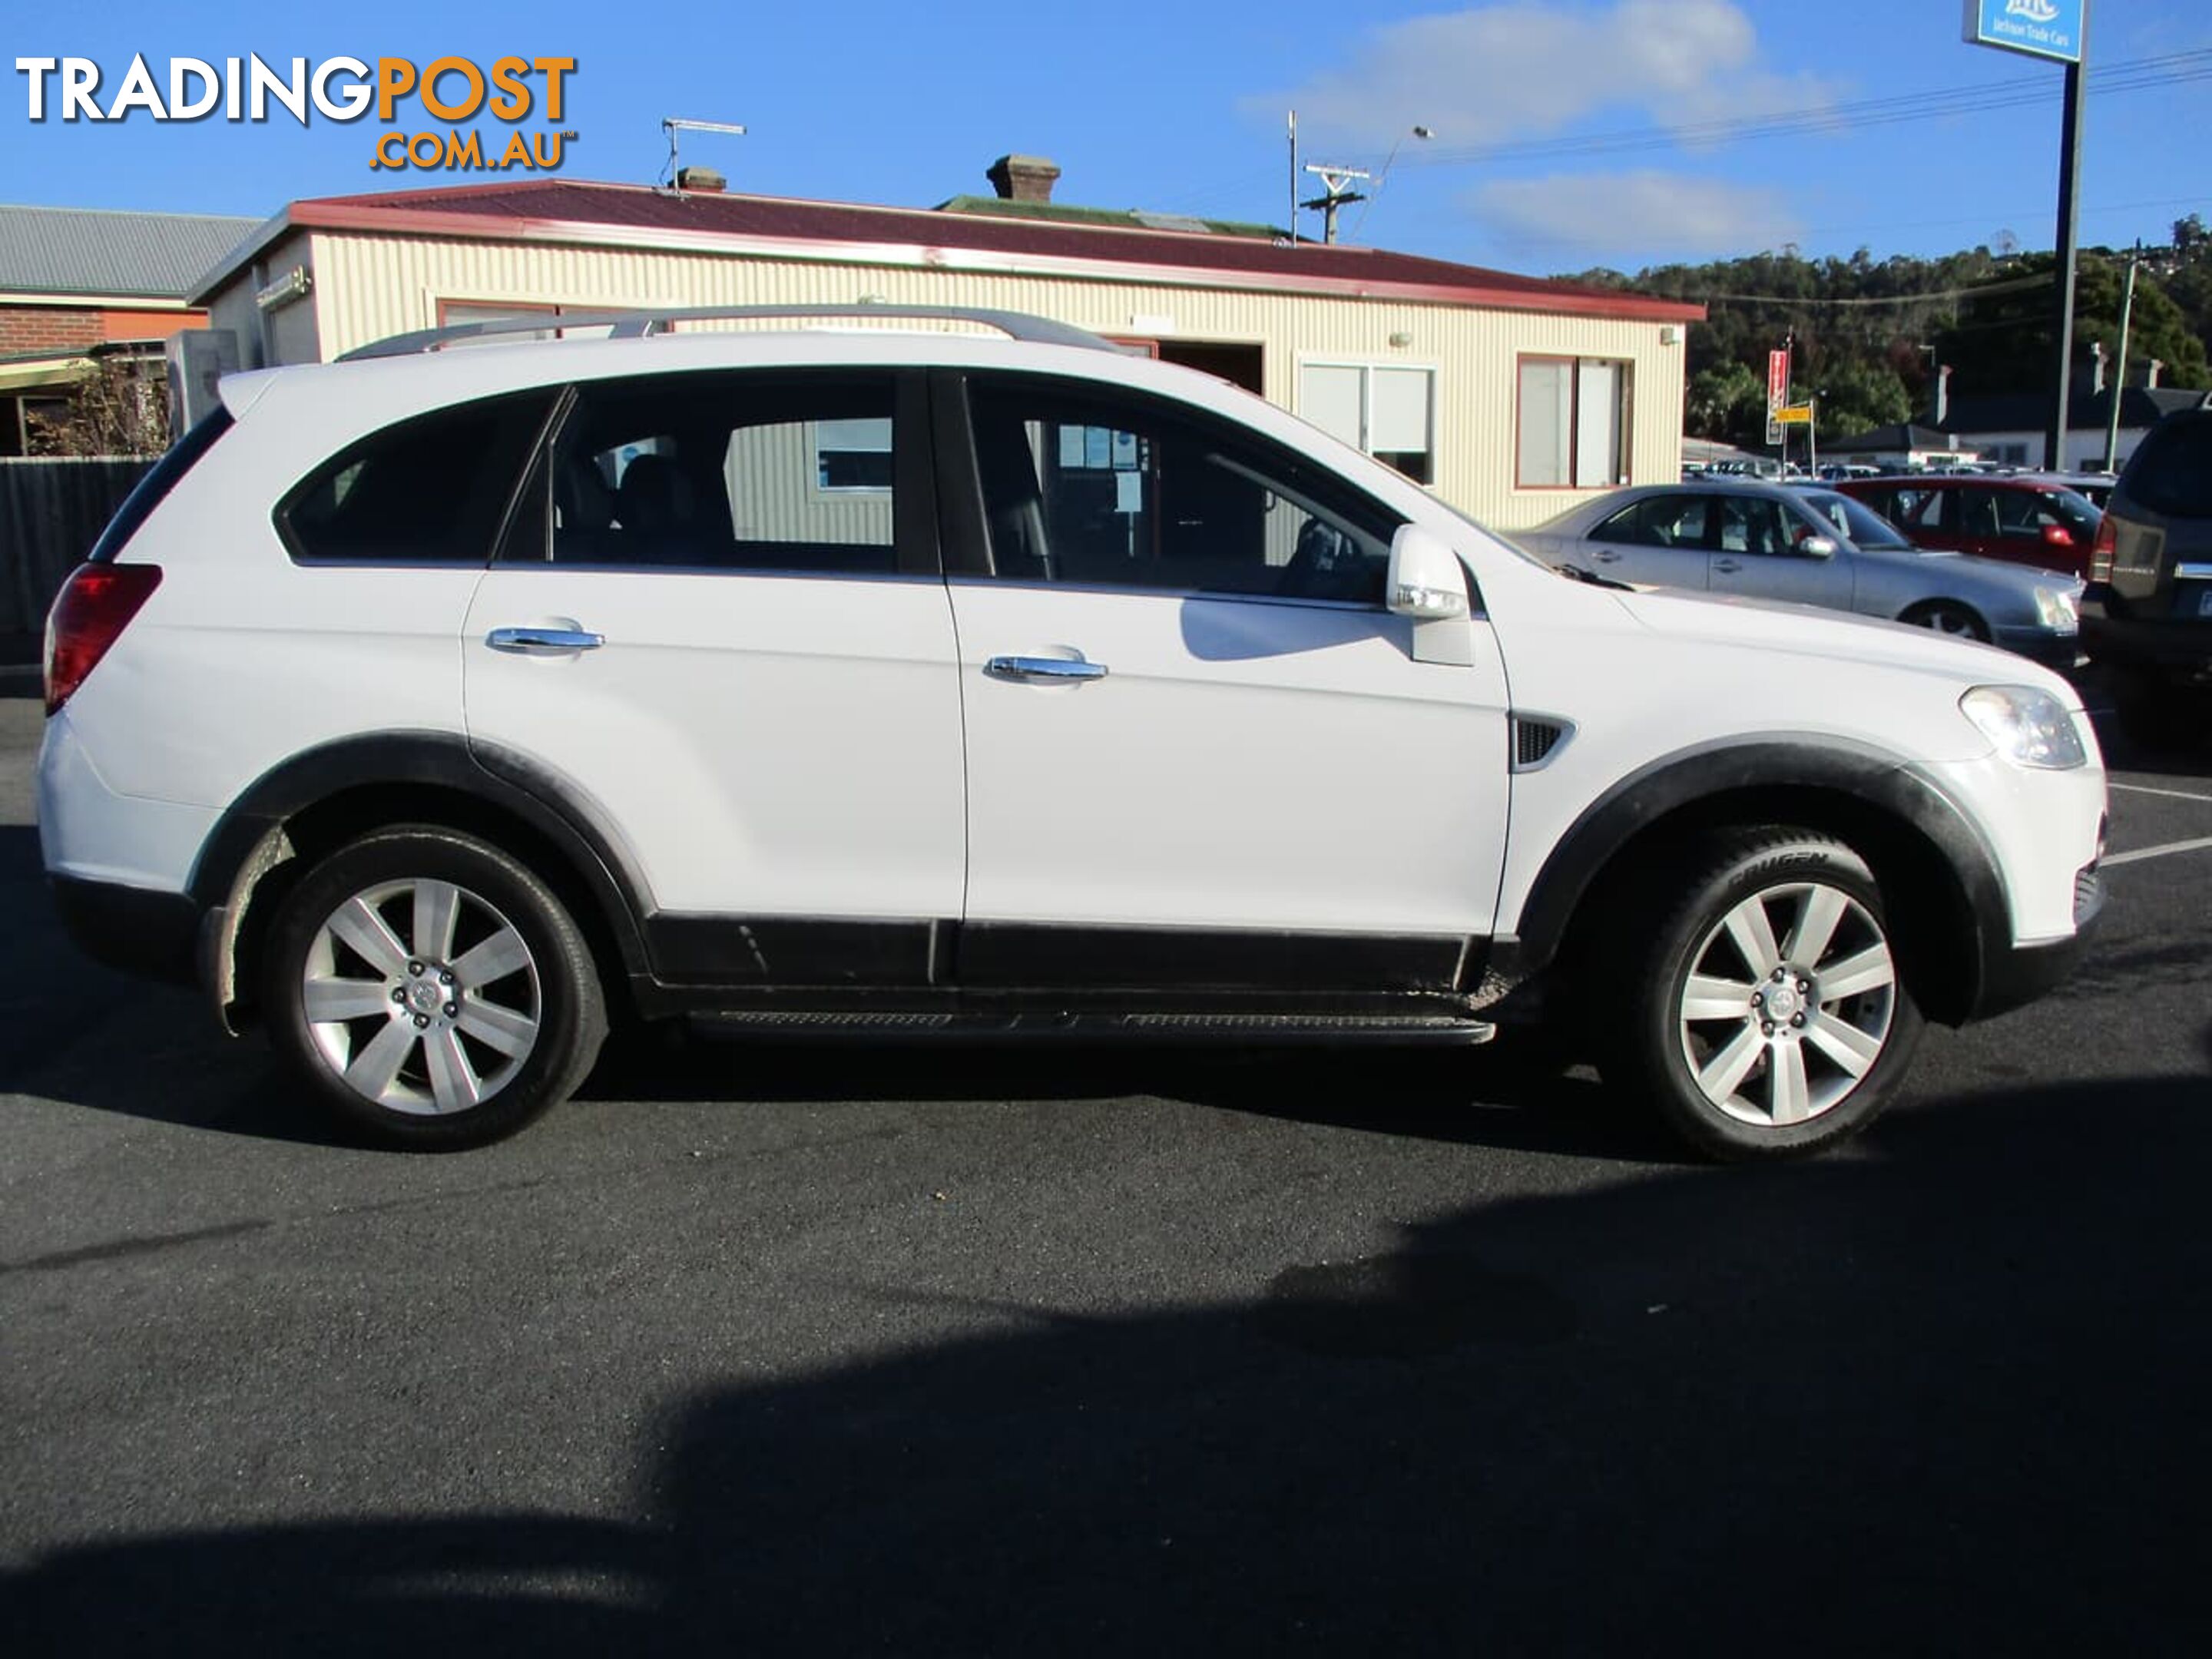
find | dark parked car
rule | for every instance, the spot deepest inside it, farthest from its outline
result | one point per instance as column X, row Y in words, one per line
column 2020, row 521
column 2147, row 613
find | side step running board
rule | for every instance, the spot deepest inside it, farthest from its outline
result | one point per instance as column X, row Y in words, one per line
column 1428, row 1031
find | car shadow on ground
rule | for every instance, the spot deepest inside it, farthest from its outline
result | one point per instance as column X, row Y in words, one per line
column 1946, row 1391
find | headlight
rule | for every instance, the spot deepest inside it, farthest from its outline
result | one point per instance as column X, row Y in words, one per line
column 2029, row 728
column 2056, row 609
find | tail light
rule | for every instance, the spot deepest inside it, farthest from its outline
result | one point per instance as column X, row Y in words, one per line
column 2100, row 555
column 96, row 604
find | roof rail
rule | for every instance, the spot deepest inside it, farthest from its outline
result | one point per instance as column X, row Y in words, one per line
column 635, row 325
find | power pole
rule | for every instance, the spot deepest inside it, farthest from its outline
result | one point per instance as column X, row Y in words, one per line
column 1334, row 180
column 2118, row 384
column 1294, row 178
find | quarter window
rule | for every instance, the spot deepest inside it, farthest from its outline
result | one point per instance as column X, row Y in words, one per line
column 1572, row 423
column 432, row 491
column 1087, row 487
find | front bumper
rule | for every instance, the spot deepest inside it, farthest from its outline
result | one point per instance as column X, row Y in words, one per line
column 2014, row 976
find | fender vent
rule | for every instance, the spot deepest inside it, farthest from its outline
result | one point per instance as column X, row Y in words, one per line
column 1534, row 739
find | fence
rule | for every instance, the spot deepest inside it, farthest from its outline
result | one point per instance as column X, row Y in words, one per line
column 51, row 511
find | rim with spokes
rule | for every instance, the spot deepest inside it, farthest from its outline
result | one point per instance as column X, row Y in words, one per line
column 1789, row 1003
column 423, row 997
column 1949, row 619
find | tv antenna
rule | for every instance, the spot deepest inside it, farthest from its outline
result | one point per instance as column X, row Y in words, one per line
column 673, row 124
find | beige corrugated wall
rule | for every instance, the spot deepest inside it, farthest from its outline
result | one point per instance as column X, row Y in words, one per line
column 368, row 286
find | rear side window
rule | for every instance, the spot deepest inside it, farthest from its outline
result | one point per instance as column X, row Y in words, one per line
column 432, row 491
column 2172, row 474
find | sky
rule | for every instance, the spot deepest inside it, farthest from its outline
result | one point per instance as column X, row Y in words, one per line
column 1564, row 135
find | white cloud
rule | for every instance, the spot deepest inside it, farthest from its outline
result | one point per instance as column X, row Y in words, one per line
column 1523, row 70
column 1636, row 213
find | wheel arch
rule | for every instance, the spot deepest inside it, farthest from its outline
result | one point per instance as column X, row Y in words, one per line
column 310, row 804
column 1935, row 867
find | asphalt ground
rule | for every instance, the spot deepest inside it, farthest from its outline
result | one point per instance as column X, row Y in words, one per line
column 826, row 1351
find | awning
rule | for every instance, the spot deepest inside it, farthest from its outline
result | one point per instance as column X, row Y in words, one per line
column 24, row 374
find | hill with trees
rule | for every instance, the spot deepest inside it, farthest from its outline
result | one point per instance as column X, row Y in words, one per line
column 1867, row 334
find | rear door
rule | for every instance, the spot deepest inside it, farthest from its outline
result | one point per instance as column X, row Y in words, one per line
column 1659, row 541
column 719, row 626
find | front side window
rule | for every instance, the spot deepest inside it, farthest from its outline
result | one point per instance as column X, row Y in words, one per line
column 1385, row 410
column 1093, row 487
column 432, row 491
column 726, row 471
column 1571, row 422
column 1752, row 524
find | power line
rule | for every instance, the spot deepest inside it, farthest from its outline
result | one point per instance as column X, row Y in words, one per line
column 2007, row 286
column 2172, row 69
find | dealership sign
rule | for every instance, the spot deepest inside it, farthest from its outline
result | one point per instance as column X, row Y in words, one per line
column 2041, row 28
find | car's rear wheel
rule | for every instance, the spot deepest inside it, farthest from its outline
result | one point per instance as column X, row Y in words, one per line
column 1948, row 616
column 432, row 989
column 1767, row 1013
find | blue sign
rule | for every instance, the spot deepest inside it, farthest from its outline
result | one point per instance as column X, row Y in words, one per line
column 2041, row 28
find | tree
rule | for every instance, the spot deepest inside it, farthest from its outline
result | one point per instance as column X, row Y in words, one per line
column 1728, row 402
column 2002, row 343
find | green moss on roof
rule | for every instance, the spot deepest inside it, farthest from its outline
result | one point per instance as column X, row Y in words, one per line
column 1121, row 218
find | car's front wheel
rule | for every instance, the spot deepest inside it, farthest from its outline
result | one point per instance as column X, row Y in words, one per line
column 432, row 989
column 1767, row 1013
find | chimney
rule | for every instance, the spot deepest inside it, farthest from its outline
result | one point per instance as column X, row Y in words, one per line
column 2096, row 365
column 1023, row 178
column 702, row 181
column 2151, row 378
column 1939, row 396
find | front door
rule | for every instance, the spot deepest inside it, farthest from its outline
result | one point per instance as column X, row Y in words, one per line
column 1200, row 751
column 1760, row 554
column 719, row 625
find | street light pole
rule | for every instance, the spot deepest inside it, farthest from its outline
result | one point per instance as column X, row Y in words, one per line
column 2119, row 381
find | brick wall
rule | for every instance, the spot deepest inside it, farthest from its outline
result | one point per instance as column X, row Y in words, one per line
column 37, row 328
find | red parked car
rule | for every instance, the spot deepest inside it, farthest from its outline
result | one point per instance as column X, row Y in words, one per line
column 2020, row 521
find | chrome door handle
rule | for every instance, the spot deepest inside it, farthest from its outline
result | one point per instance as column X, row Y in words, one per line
column 1727, row 567
column 543, row 639
column 1042, row 671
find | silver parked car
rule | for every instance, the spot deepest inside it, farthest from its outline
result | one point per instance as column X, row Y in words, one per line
column 1810, row 546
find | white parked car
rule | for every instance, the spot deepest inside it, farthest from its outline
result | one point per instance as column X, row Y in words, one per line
column 427, row 707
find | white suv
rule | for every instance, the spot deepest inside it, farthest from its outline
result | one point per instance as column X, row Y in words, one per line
column 429, row 708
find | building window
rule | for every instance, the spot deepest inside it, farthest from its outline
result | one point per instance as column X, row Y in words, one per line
column 1387, row 411
column 853, row 456
column 451, row 313
column 1572, row 421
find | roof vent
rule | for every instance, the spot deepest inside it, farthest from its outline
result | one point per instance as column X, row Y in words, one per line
column 703, row 181
column 1023, row 178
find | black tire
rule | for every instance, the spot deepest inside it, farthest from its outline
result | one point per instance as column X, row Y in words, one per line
column 1798, row 1091
column 465, row 1045
column 1948, row 616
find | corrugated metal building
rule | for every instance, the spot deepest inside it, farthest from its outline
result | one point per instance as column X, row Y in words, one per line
column 1509, row 395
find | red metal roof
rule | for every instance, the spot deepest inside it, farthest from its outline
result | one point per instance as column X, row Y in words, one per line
column 569, row 210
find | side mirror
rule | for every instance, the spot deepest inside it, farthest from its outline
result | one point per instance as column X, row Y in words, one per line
column 1818, row 547
column 2057, row 535
column 1426, row 581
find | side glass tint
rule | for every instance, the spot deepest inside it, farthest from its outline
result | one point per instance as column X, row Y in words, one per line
column 432, row 491
column 1089, row 488
column 728, row 471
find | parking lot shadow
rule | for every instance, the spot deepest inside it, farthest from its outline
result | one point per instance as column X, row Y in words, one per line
column 1945, row 1392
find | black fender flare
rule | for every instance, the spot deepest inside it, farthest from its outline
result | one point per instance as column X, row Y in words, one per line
column 1890, row 788
column 559, row 810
